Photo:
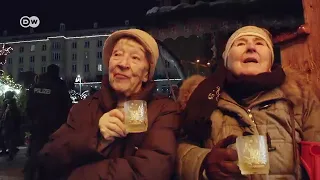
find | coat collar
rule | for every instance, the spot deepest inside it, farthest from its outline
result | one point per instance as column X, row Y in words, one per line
column 274, row 94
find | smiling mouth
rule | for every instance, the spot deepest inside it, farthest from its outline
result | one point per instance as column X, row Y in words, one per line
column 120, row 76
column 250, row 60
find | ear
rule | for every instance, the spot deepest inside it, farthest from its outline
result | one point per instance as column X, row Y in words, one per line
column 270, row 66
column 145, row 75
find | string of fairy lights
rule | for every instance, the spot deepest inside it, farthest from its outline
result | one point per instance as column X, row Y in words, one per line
column 6, row 82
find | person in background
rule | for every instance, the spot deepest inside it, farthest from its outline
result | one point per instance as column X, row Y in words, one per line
column 187, row 88
column 248, row 94
column 94, row 143
column 10, row 125
column 92, row 91
column 48, row 106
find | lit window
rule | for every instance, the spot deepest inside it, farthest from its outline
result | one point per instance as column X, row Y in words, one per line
column 100, row 67
column 33, row 48
column 86, row 54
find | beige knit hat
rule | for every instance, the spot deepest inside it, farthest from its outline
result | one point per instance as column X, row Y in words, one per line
column 145, row 39
column 249, row 31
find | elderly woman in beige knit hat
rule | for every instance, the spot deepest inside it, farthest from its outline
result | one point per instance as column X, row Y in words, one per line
column 247, row 95
column 94, row 143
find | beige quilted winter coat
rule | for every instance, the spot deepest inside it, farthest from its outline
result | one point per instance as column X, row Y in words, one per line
column 269, row 113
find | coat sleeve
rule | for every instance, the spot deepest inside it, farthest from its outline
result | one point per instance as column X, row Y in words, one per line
column 154, row 160
column 189, row 159
column 70, row 146
column 309, row 116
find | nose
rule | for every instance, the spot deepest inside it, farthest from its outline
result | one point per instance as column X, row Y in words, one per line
column 124, row 62
column 251, row 47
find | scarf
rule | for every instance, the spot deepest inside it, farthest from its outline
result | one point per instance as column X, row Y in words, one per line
column 204, row 99
column 243, row 86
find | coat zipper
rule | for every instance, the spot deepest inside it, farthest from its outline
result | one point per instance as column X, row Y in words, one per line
column 250, row 115
column 247, row 110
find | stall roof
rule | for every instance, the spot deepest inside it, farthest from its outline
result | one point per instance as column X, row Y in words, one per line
column 276, row 15
column 226, row 8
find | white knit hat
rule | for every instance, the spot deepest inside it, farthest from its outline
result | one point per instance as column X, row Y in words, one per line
column 142, row 37
column 249, row 31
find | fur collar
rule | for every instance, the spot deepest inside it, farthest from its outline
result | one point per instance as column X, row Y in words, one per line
column 297, row 86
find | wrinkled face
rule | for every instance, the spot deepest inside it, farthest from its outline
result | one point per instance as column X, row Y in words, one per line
column 249, row 55
column 128, row 67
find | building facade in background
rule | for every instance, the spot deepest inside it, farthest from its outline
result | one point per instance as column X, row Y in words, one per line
column 77, row 53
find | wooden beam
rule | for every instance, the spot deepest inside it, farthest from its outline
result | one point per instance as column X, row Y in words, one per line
column 302, row 31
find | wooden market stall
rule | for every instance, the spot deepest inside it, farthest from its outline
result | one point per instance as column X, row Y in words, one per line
column 303, row 53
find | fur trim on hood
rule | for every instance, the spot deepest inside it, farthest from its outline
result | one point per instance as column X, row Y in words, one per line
column 297, row 86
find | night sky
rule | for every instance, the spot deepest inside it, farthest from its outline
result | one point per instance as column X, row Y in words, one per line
column 75, row 14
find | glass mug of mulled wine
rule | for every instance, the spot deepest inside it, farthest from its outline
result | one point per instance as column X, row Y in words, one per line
column 253, row 156
column 136, row 116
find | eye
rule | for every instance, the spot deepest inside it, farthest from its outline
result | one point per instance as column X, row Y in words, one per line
column 260, row 43
column 240, row 44
column 136, row 58
column 116, row 53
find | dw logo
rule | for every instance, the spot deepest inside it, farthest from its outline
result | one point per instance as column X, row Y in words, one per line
column 32, row 21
